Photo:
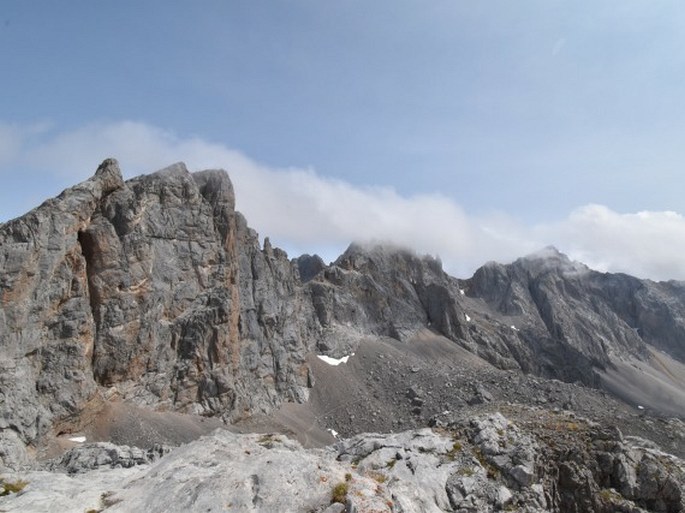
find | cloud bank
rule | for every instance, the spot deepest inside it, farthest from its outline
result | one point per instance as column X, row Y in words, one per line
column 303, row 211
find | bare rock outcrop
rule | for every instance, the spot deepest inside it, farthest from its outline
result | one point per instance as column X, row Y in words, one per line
column 93, row 456
column 485, row 464
column 543, row 314
column 154, row 290
column 155, row 294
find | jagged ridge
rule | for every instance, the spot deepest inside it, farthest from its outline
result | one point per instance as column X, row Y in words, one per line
column 119, row 298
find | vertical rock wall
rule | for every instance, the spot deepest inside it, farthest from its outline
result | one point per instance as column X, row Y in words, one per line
column 154, row 290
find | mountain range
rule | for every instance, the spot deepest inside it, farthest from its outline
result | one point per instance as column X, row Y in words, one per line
column 145, row 325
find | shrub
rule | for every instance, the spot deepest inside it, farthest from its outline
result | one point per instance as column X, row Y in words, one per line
column 610, row 495
column 490, row 470
column 466, row 471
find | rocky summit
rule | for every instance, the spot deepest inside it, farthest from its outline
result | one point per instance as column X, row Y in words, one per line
column 156, row 355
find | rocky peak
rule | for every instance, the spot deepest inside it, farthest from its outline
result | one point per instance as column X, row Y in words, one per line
column 550, row 259
column 154, row 290
column 309, row 266
column 385, row 257
column 216, row 187
column 109, row 176
column 156, row 293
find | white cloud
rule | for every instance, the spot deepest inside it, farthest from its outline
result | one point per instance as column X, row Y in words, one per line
column 649, row 244
column 306, row 212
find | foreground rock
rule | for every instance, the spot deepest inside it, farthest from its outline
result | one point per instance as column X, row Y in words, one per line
column 486, row 464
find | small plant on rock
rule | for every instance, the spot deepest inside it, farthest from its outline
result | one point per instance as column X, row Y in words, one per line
column 452, row 453
column 610, row 495
column 12, row 486
column 490, row 470
column 268, row 440
column 379, row 477
column 466, row 471
column 339, row 493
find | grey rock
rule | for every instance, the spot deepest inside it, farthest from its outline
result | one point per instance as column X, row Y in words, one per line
column 96, row 455
column 13, row 454
column 309, row 266
column 155, row 288
column 414, row 471
column 156, row 293
column 335, row 508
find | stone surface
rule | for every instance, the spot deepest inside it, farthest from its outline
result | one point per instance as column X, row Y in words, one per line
column 454, row 470
column 97, row 455
column 154, row 290
column 13, row 453
column 119, row 298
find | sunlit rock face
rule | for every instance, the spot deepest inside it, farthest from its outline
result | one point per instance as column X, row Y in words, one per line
column 147, row 298
column 153, row 290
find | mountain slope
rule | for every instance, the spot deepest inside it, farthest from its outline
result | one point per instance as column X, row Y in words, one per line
column 154, row 293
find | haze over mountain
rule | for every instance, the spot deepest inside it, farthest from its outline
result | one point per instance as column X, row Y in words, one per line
column 305, row 211
column 476, row 132
column 142, row 314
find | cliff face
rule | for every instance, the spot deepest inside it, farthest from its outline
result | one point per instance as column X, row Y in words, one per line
column 543, row 314
column 154, row 291
column 126, row 304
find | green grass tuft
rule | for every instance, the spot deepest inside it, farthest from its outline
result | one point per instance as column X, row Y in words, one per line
column 339, row 493
column 12, row 487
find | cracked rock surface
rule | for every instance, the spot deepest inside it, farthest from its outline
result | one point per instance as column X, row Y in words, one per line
column 485, row 464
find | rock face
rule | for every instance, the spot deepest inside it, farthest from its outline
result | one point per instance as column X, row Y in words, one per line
column 542, row 314
column 574, row 318
column 486, row 464
column 98, row 455
column 155, row 293
column 155, row 289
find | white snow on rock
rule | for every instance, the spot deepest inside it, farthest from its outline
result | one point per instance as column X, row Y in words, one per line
column 461, row 291
column 468, row 319
column 334, row 361
column 77, row 439
column 514, row 328
column 333, row 432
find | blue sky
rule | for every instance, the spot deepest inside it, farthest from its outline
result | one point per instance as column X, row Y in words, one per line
column 476, row 130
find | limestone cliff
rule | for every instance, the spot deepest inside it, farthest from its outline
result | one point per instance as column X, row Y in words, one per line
column 154, row 291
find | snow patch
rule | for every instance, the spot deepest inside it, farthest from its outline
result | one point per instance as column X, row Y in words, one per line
column 461, row 291
column 468, row 319
column 333, row 361
column 333, row 432
column 640, row 407
column 78, row 439
column 514, row 328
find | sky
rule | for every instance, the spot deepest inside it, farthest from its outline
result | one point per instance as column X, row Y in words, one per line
column 474, row 131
